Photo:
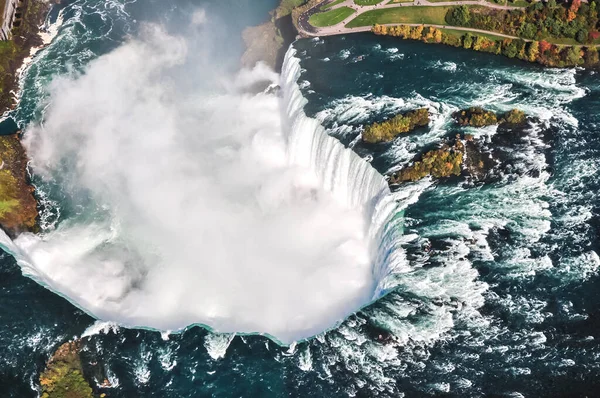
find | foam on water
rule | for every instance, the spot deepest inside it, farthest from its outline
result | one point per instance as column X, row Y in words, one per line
column 106, row 260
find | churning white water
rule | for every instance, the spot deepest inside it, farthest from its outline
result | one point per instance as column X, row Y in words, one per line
column 215, row 207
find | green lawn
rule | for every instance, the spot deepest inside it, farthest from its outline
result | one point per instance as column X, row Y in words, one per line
column 459, row 33
column 419, row 15
column 331, row 17
column 367, row 2
column 328, row 6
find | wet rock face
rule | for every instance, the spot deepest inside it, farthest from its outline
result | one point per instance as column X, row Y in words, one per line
column 18, row 206
column 63, row 376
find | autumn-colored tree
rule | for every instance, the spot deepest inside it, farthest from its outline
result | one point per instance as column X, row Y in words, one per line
column 416, row 32
column 533, row 51
column 544, row 46
column 572, row 13
column 380, row 29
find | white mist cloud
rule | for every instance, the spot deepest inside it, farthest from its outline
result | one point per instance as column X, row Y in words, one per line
column 196, row 214
column 199, row 17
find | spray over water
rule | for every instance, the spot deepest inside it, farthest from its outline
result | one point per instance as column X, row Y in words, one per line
column 202, row 206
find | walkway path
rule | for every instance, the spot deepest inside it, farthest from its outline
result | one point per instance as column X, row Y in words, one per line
column 340, row 28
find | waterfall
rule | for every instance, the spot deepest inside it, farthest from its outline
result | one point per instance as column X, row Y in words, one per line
column 351, row 179
column 341, row 171
column 353, row 268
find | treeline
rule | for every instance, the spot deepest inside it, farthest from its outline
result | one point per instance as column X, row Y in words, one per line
column 539, row 21
column 534, row 51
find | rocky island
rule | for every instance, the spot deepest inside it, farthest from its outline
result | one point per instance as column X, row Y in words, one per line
column 464, row 155
column 403, row 123
column 63, row 376
column 479, row 117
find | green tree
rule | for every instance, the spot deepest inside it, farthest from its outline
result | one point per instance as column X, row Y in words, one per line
column 468, row 40
column 510, row 48
column 582, row 35
column 459, row 16
column 528, row 30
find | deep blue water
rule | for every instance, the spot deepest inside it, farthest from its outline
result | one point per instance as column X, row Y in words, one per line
column 507, row 301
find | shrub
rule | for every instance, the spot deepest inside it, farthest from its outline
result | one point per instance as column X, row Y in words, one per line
column 475, row 117
column 459, row 16
column 514, row 117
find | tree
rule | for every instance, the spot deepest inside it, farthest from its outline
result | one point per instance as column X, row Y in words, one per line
column 468, row 40
column 459, row 16
column 582, row 35
column 533, row 51
column 572, row 14
column 528, row 30
column 572, row 56
column 509, row 48
column 591, row 57
column 544, row 46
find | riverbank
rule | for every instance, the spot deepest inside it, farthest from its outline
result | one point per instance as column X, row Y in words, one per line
column 18, row 204
column 268, row 42
column 14, row 52
column 564, row 35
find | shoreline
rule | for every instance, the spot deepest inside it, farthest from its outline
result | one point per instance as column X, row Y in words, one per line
column 17, row 199
column 47, row 35
column 549, row 59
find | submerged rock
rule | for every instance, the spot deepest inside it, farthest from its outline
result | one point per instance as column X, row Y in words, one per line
column 63, row 376
column 18, row 206
column 403, row 123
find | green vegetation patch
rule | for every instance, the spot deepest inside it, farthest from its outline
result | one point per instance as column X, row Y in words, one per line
column 444, row 162
column 18, row 207
column 331, row 17
column 408, row 15
column 367, row 2
column 63, row 376
column 574, row 20
column 476, row 117
column 479, row 117
column 286, row 6
column 333, row 4
column 388, row 130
